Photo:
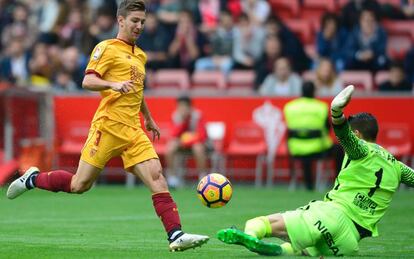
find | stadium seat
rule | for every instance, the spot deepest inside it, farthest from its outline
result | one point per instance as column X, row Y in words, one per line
column 73, row 139
column 303, row 29
column 208, row 82
column 168, row 81
column 240, row 82
column 398, row 46
column 381, row 77
column 395, row 3
column 285, row 9
column 160, row 145
column 341, row 3
column 396, row 138
column 362, row 80
column 70, row 143
column 401, row 28
column 312, row 10
column 247, row 140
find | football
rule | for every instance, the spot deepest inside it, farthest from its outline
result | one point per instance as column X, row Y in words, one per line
column 214, row 190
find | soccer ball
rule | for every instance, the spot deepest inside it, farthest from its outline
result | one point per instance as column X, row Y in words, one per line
column 214, row 190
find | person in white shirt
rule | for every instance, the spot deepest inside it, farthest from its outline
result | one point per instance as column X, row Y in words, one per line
column 283, row 81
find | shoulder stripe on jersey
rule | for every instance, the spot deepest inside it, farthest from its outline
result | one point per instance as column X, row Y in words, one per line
column 91, row 71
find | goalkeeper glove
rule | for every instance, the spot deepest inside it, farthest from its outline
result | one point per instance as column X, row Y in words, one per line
column 339, row 103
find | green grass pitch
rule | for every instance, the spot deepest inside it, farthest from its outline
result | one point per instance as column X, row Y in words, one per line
column 115, row 222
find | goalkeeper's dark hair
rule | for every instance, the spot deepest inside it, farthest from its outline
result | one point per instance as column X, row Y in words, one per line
column 127, row 6
column 366, row 124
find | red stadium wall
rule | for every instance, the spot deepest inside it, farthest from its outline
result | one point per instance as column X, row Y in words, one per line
column 75, row 109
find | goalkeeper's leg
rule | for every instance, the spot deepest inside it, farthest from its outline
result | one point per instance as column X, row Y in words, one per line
column 255, row 230
column 271, row 226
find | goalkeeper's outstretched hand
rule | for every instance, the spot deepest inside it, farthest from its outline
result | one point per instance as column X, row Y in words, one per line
column 339, row 103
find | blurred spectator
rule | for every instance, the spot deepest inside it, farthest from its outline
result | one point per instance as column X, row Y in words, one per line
column 330, row 40
column 48, row 15
column 234, row 7
column 408, row 8
column 221, row 47
column 64, row 83
column 188, row 44
column 327, row 82
column 20, row 26
column 283, row 82
column 189, row 134
column 104, row 26
column 308, row 130
column 169, row 11
column 14, row 67
column 366, row 46
column 292, row 46
column 248, row 43
column 264, row 66
column 153, row 41
column 152, row 6
column 257, row 10
column 398, row 81
column 71, row 64
column 75, row 31
column 110, row 5
column 409, row 65
column 41, row 69
column 209, row 13
column 351, row 12
column 6, row 13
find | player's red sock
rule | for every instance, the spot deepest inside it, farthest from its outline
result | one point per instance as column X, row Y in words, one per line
column 54, row 181
column 167, row 211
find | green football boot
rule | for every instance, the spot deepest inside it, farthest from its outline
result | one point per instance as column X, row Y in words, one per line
column 237, row 237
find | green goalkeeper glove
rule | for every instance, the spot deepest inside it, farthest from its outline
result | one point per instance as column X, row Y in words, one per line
column 339, row 103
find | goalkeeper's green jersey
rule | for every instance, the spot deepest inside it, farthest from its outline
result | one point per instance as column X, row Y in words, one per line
column 369, row 177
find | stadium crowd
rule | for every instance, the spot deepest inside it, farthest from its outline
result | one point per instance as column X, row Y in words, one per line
column 47, row 43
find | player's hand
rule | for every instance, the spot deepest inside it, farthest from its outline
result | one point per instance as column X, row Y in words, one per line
column 123, row 87
column 339, row 103
column 150, row 125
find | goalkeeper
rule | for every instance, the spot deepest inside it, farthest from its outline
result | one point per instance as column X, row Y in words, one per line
column 362, row 193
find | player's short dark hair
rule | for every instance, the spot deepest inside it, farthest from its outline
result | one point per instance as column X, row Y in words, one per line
column 127, row 6
column 308, row 89
column 366, row 124
column 184, row 99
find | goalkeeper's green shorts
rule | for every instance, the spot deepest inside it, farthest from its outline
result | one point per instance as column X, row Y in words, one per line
column 320, row 228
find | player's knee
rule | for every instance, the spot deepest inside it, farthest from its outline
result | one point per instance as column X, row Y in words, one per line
column 80, row 187
column 198, row 149
column 172, row 147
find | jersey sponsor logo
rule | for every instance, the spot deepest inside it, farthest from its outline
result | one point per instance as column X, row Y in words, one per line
column 97, row 53
column 365, row 203
column 327, row 236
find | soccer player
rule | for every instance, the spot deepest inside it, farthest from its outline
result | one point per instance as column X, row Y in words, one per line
column 362, row 193
column 116, row 69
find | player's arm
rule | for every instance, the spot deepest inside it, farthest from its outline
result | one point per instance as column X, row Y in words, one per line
column 93, row 82
column 149, row 122
column 354, row 147
column 407, row 174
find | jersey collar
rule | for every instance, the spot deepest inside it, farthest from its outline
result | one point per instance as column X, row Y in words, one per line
column 126, row 42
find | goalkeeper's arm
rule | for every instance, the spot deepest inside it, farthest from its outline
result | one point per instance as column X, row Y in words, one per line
column 407, row 174
column 354, row 147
